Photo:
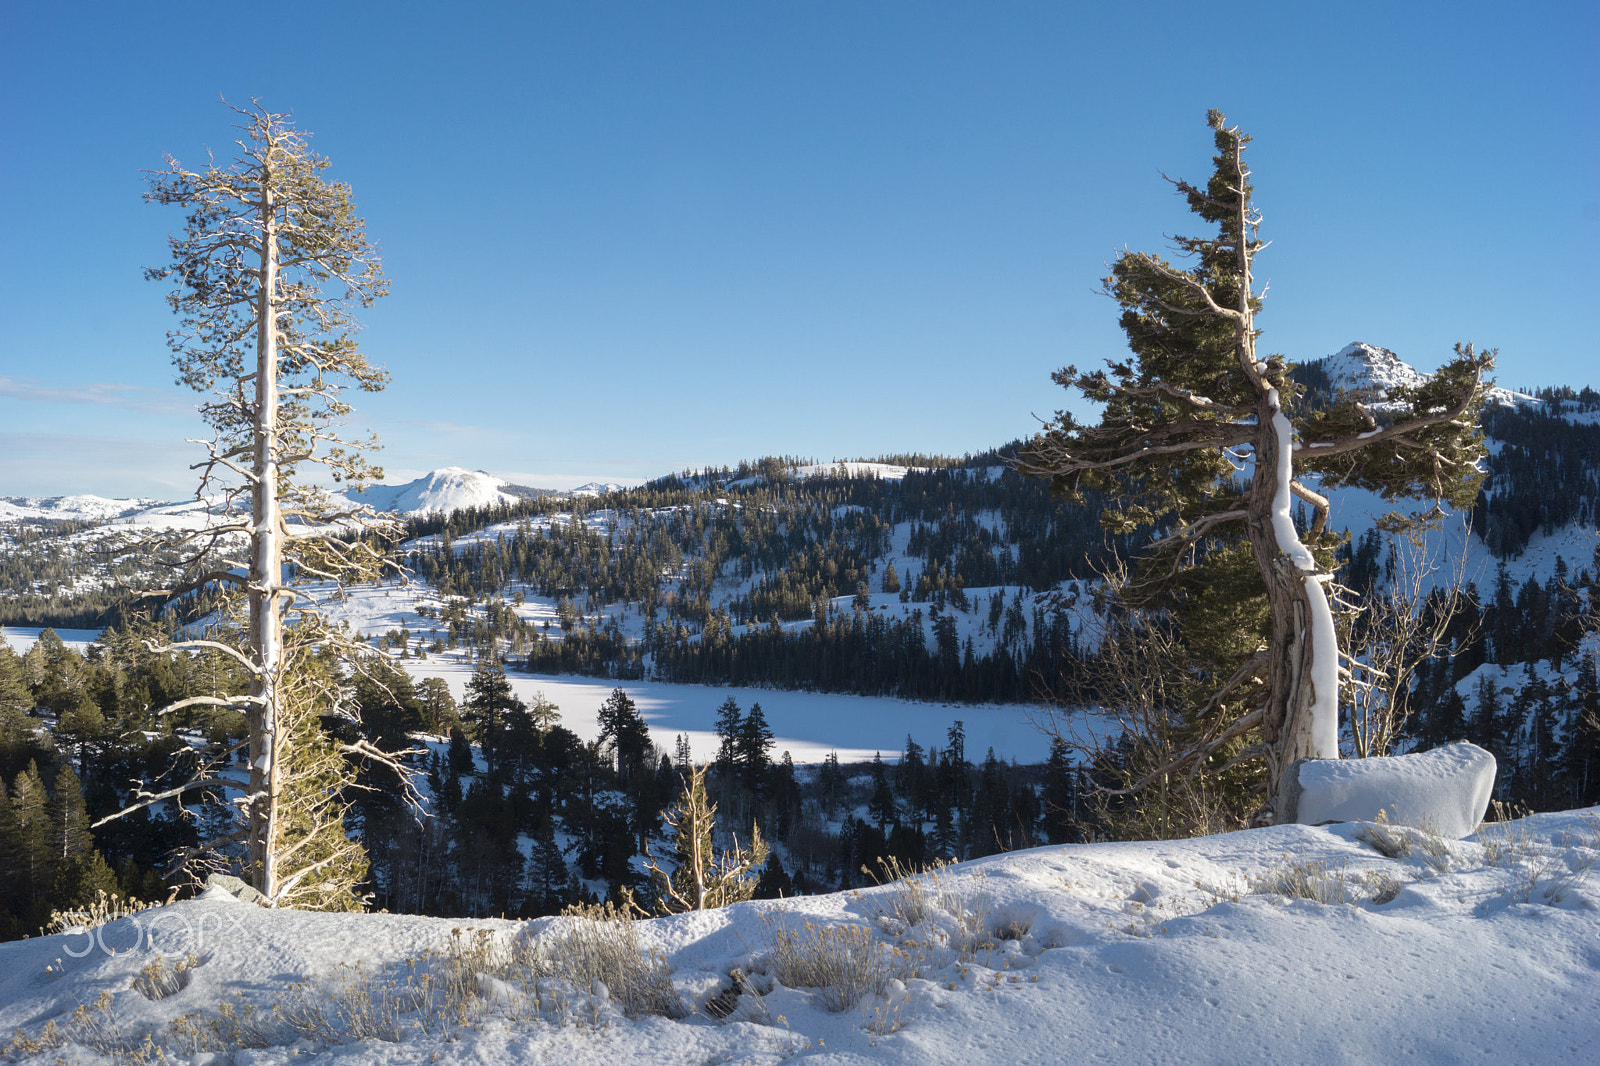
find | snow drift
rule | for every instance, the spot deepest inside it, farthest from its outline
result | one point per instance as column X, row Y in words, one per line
column 1287, row 944
column 1445, row 790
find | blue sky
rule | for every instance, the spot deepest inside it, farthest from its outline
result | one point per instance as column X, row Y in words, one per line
column 626, row 239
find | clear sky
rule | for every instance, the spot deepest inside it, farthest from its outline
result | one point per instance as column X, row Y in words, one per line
column 626, row 239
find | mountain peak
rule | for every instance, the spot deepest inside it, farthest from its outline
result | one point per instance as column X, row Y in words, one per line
column 1360, row 366
column 448, row 488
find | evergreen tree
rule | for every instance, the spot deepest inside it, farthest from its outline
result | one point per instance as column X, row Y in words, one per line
column 624, row 728
column 69, row 818
column 459, row 752
column 774, row 882
column 488, row 704
column 730, row 719
column 1196, row 395
column 34, row 860
column 752, row 752
column 547, row 872
column 439, row 713
column 881, row 806
column 266, row 275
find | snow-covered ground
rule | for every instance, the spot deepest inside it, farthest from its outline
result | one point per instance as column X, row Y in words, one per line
column 1199, row 951
column 808, row 725
column 21, row 638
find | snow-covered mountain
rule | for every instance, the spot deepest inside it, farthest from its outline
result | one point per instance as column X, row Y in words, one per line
column 1359, row 367
column 87, row 508
column 446, row 489
column 449, row 488
column 598, row 488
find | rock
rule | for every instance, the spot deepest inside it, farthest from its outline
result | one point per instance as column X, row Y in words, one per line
column 1445, row 790
column 234, row 887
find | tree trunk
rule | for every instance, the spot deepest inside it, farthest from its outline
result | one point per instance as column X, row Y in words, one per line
column 1301, row 719
column 266, row 564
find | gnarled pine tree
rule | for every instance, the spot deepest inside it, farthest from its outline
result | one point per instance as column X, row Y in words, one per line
column 1196, row 440
column 267, row 275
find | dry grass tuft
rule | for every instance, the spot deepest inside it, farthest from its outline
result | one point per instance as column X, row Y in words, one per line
column 603, row 946
column 157, row 982
column 1540, row 872
column 1320, row 882
column 937, row 919
column 842, row 962
column 106, row 907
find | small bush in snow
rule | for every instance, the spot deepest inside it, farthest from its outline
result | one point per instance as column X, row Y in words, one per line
column 1539, row 872
column 1404, row 841
column 106, row 907
column 157, row 982
column 842, row 962
column 1320, row 882
column 603, row 946
column 937, row 919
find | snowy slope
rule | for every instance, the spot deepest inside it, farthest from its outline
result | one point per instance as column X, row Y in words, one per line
column 1164, row 952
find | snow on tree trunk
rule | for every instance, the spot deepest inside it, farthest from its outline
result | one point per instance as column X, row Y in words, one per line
column 1302, row 712
column 266, row 562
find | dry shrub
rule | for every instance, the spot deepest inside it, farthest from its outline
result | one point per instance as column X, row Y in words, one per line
column 478, row 972
column 842, row 962
column 1405, row 841
column 936, row 917
column 603, row 945
column 1539, row 872
column 106, row 907
column 157, row 982
column 1320, row 882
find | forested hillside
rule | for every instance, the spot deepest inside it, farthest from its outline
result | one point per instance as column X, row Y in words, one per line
column 929, row 583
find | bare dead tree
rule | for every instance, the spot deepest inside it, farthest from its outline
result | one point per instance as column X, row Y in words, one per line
column 704, row 876
column 1392, row 634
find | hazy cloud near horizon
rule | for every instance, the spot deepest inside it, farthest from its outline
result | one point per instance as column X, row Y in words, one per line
column 55, row 464
column 46, row 465
column 99, row 393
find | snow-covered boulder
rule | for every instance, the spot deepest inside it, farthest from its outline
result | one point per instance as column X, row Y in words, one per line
column 1445, row 790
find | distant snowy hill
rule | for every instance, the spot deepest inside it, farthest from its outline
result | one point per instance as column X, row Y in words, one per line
column 69, row 508
column 447, row 489
column 1366, row 368
column 598, row 488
